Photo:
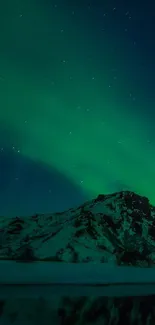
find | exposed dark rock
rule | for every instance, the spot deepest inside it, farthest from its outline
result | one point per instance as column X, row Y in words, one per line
column 119, row 228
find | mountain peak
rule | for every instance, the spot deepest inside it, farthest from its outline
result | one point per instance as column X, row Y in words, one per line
column 116, row 228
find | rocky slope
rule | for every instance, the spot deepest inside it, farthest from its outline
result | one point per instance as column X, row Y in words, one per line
column 117, row 228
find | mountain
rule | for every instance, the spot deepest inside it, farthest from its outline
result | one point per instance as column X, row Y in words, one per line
column 118, row 229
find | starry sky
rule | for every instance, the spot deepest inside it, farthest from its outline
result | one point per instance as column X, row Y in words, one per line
column 77, row 102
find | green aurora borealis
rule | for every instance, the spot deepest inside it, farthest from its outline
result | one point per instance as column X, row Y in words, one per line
column 73, row 88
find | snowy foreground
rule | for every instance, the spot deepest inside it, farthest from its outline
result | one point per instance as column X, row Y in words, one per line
column 47, row 279
column 89, row 265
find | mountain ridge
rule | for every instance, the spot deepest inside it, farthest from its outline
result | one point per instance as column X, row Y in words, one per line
column 117, row 228
column 117, row 225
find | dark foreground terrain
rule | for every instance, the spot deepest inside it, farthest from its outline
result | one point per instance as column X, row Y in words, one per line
column 117, row 228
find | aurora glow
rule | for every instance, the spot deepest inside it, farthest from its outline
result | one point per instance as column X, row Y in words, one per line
column 77, row 91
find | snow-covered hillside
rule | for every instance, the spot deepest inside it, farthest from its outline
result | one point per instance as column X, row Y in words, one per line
column 116, row 229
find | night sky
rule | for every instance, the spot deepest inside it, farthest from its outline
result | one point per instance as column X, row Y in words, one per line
column 77, row 102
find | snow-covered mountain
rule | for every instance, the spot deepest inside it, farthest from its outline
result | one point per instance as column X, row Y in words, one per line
column 117, row 229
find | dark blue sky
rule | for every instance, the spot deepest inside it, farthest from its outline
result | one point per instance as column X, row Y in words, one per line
column 77, row 102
